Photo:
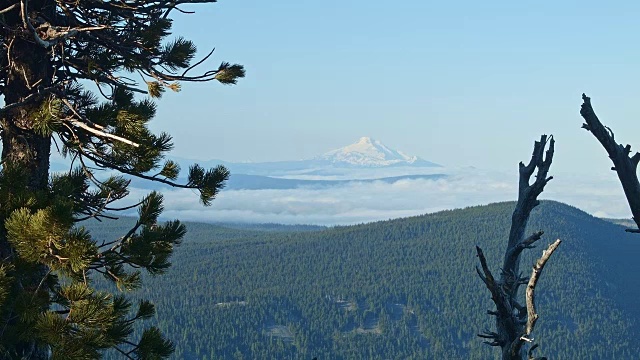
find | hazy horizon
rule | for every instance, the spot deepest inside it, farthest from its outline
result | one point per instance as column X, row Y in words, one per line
column 599, row 194
column 462, row 84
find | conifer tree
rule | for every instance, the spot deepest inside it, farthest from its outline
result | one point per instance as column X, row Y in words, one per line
column 51, row 49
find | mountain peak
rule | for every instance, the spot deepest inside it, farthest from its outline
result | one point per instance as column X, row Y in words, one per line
column 369, row 152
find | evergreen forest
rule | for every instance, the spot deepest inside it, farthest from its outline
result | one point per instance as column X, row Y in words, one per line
column 398, row 289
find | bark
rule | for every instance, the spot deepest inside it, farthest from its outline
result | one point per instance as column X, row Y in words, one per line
column 511, row 317
column 531, row 286
column 22, row 147
column 527, row 197
column 624, row 165
column 28, row 71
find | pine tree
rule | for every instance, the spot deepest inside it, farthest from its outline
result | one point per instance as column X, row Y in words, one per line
column 49, row 306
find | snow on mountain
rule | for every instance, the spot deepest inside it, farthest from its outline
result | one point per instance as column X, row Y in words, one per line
column 364, row 159
column 368, row 152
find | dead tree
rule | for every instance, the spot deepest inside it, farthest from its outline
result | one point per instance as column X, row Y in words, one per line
column 623, row 164
column 515, row 322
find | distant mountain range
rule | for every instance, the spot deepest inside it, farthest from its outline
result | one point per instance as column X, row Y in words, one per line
column 368, row 152
column 364, row 161
column 365, row 154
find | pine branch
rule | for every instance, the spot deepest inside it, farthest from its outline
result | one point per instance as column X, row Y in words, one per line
column 49, row 50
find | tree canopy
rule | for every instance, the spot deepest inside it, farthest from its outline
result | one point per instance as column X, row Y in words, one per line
column 52, row 51
column 397, row 289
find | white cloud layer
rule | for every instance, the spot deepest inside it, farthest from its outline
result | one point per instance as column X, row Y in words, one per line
column 366, row 202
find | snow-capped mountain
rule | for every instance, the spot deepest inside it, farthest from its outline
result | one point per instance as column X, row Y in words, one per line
column 367, row 158
column 365, row 162
column 368, row 152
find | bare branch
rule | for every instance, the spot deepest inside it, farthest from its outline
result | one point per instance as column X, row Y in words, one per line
column 530, row 354
column 527, row 195
column 9, row 8
column 199, row 62
column 514, row 252
column 491, row 335
column 511, row 317
column 99, row 133
column 96, row 132
column 108, row 165
column 54, row 34
column 624, row 166
column 497, row 294
column 27, row 24
column 487, row 277
column 531, row 287
column 28, row 99
column 532, row 315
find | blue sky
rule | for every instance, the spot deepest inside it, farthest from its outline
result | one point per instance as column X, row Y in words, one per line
column 459, row 83
column 455, row 82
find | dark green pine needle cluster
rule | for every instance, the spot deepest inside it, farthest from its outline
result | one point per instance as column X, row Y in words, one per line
column 49, row 305
column 60, row 310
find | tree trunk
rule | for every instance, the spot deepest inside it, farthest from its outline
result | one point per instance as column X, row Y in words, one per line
column 625, row 164
column 24, row 149
column 29, row 69
column 511, row 316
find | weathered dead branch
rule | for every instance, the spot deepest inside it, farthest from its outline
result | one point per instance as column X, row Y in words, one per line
column 514, row 322
column 531, row 287
column 623, row 164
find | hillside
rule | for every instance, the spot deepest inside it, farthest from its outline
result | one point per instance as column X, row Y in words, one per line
column 399, row 289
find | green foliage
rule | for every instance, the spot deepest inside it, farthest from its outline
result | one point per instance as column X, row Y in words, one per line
column 209, row 182
column 61, row 310
column 170, row 170
column 228, row 74
column 155, row 89
column 46, row 119
column 153, row 346
column 179, row 53
column 400, row 289
column 49, row 263
column 5, row 281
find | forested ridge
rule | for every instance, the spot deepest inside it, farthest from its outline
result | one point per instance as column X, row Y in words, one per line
column 398, row 289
